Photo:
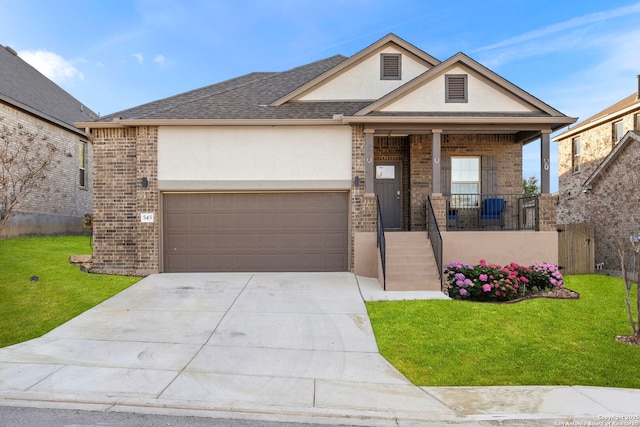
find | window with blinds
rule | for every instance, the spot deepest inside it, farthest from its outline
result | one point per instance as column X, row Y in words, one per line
column 390, row 66
column 456, row 88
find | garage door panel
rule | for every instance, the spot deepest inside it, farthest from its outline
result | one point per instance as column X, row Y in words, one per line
column 256, row 231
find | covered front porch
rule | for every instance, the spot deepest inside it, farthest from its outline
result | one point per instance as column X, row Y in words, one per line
column 437, row 196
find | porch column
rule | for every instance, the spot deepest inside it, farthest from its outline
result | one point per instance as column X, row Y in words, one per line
column 368, row 161
column 435, row 155
column 545, row 162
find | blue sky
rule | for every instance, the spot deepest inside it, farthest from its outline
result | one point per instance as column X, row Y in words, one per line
column 578, row 56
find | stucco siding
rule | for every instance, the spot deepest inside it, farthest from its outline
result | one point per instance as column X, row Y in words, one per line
column 259, row 157
column 363, row 80
column 481, row 97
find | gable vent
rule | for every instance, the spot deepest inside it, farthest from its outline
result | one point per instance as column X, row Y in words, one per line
column 390, row 66
column 456, row 88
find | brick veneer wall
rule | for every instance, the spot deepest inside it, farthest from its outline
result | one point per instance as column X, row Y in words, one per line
column 421, row 169
column 615, row 195
column 363, row 206
column 508, row 152
column 504, row 147
column 596, row 144
column 122, row 243
column 59, row 203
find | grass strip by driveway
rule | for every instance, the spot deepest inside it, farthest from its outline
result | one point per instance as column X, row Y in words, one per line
column 534, row 342
column 31, row 309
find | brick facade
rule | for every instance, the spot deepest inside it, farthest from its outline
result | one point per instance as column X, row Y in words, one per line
column 596, row 143
column 57, row 206
column 122, row 243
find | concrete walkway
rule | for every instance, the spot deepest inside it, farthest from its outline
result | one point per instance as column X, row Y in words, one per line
column 275, row 346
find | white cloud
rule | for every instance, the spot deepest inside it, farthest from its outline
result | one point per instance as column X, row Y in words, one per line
column 566, row 25
column 139, row 57
column 52, row 65
column 160, row 60
column 583, row 33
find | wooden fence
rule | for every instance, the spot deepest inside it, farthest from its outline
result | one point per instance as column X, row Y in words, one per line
column 576, row 248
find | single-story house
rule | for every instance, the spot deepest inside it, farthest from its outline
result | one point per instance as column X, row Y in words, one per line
column 338, row 165
column 31, row 100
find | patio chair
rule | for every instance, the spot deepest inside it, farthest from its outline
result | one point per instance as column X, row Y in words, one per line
column 452, row 216
column 492, row 213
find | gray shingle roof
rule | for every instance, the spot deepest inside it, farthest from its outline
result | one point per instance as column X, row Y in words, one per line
column 26, row 88
column 245, row 97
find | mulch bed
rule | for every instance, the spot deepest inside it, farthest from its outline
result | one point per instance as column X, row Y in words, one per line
column 629, row 339
column 561, row 293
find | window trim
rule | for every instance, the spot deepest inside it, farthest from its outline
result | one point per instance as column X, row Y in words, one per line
column 383, row 75
column 576, row 154
column 448, row 98
column 470, row 201
column 82, row 164
column 615, row 135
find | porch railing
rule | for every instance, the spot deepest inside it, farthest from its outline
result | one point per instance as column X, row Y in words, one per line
column 434, row 237
column 382, row 244
column 469, row 212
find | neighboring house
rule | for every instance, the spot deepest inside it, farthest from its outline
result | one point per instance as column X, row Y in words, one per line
column 592, row 154
column 30, row 99
column 279, row 171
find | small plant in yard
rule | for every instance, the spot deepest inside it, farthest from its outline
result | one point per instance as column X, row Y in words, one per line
column 492, row 282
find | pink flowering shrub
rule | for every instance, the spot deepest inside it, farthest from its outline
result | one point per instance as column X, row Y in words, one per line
column 492, row 282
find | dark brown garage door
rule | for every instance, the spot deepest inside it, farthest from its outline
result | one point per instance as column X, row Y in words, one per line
column 306, row 231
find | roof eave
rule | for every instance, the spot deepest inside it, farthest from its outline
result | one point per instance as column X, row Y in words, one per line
column 209, row 122
column 42, row 115
column 553, row 122
column 596, row 122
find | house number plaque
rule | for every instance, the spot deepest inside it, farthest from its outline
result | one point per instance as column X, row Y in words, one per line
column 147, row 217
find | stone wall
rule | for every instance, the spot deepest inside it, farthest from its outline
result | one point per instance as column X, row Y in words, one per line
column 58, row 204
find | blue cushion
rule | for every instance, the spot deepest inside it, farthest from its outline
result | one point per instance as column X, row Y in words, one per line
column 492, row 208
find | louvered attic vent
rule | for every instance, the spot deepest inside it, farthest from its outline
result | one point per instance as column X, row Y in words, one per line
column 390, row 66
column 456, row 88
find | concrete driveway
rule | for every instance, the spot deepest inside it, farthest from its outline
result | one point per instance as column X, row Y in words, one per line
column 277, row 346
column 267, row 342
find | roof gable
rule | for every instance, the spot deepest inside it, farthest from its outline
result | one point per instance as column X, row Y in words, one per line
column 24, row 87
column 626, row 141
column 358, row 78
column 488, row 93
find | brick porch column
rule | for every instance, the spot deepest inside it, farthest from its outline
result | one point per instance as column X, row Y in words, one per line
column 547, row 207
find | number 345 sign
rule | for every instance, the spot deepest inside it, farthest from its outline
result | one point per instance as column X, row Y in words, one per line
column 147, row 217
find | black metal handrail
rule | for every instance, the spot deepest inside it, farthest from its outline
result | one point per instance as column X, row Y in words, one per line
column 492, row 212
column 434, row 237
column 382, row 244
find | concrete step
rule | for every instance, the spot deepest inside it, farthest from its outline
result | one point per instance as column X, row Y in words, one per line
column 413, row 286
column 426, row 268
column 410, row 265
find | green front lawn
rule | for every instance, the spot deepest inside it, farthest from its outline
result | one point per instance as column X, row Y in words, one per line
column 534, row 342
column 30, row 309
